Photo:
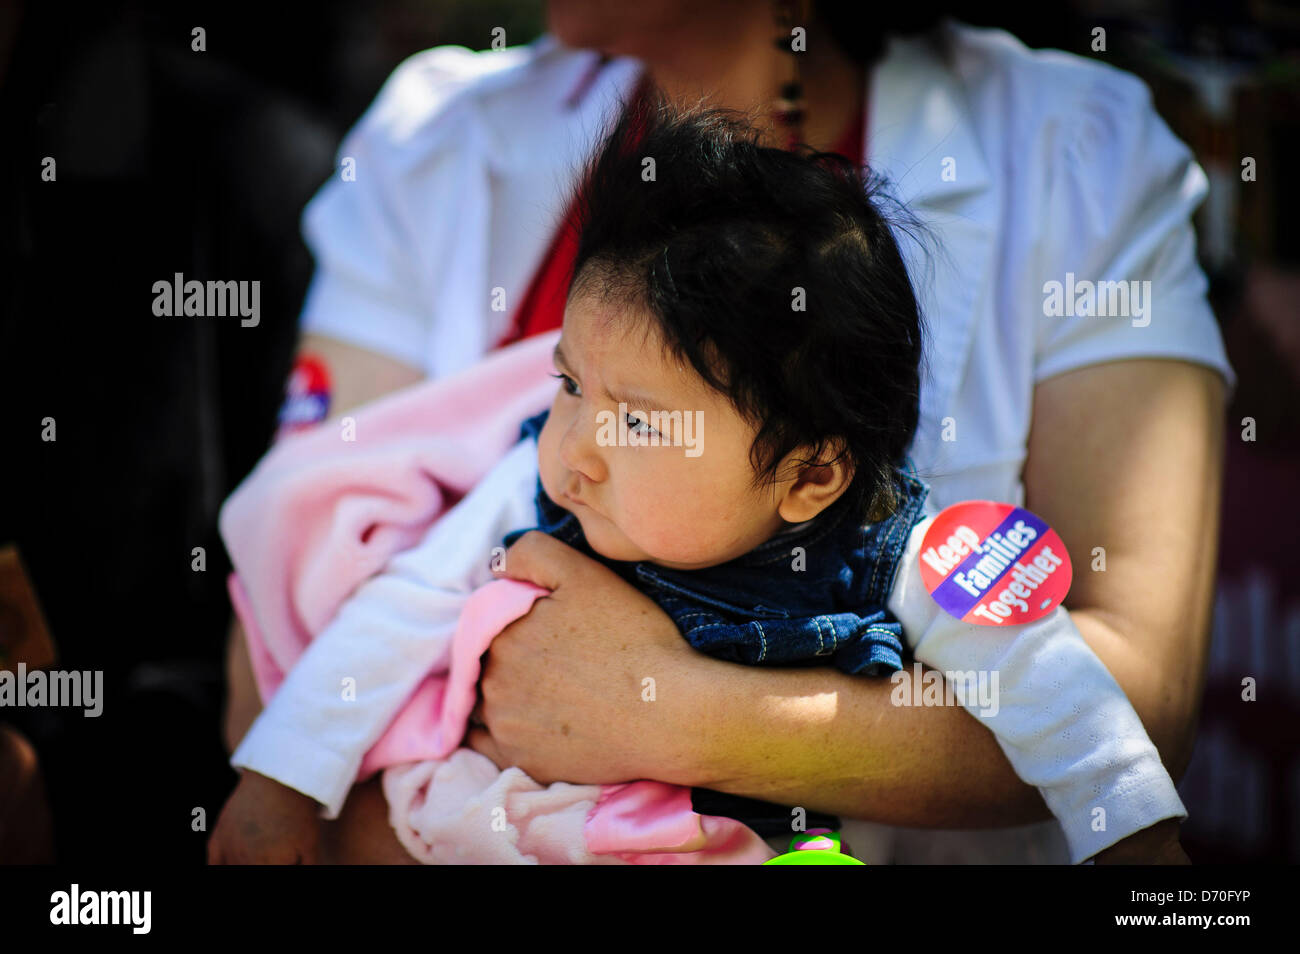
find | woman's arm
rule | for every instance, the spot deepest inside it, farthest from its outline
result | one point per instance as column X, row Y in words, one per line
column 1142, row 480
column 564, row 698
column 1128, row 456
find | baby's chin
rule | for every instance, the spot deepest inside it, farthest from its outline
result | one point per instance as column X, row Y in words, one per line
column 617, row 546
column 605, row 539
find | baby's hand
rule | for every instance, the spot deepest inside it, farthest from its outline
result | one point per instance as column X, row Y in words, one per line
column 265, row 823
column 1157, row 845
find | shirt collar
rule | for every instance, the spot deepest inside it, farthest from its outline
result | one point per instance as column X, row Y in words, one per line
column 919, row 117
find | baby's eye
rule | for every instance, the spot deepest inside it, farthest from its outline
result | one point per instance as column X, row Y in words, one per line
column 639, row 426
column 570, row 386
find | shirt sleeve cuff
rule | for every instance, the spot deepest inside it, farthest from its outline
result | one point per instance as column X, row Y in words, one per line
column 1195, row 337
column 297, row 762
column 338, row 308
column 1128, row 810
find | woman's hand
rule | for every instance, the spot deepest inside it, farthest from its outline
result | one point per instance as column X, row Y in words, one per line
column 595, row 684
column 1157, row 845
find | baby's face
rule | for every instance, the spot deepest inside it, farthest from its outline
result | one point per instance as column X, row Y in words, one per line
column 681, row 494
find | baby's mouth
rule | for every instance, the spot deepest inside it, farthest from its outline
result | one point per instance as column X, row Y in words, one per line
column 578, row 506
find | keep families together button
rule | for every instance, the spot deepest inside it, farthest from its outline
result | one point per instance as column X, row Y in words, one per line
column 994, row 564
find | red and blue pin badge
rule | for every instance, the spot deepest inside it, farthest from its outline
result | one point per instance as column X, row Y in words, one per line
column 307, row 396
column 994, row 564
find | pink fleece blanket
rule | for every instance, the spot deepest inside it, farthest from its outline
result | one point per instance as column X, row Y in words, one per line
column 324, row 511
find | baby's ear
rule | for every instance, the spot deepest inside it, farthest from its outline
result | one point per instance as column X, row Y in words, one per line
column 821, row 478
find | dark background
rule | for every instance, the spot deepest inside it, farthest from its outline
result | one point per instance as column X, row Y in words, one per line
column 170, row 160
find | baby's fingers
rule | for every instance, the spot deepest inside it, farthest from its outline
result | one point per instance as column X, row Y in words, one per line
column 538, row 558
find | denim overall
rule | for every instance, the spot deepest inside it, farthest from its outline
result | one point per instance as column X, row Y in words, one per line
column 812, row 595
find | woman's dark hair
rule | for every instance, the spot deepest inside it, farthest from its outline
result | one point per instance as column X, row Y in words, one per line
column 772, row 272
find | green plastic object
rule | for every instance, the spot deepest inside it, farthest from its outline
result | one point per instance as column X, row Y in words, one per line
column 818, row 846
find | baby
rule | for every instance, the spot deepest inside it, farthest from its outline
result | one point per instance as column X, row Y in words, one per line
column 739, row 375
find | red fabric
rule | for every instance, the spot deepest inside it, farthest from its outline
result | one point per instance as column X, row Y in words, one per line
column 542, row 308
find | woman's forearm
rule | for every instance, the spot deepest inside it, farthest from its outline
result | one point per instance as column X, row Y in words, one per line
column 835, row 743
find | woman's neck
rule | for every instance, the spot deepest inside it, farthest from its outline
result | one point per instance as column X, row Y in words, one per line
column 737, row 66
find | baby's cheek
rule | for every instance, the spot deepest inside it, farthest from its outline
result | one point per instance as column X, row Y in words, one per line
column 688, row 524
column 642, row 514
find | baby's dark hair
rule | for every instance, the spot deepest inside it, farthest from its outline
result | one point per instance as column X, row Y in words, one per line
column 773, row 273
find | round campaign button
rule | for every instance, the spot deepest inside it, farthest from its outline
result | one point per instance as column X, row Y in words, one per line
column 307, row 396
column 994, row 564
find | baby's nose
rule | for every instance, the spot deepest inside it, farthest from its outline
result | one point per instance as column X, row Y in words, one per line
column 579, row 450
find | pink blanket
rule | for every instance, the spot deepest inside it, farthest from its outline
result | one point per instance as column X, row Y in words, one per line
column 324, row 511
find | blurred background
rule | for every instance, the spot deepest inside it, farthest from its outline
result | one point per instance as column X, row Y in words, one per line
column 169, row 161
